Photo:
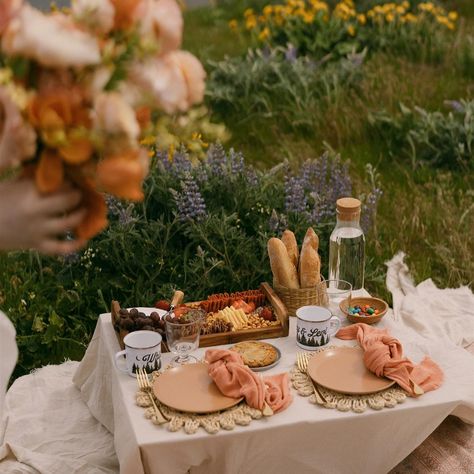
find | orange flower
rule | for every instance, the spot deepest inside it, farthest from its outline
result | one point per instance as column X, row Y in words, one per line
column 77, row 151
column 122, row 175
column 95, row 220
column 50, row 111
column 49, row 174
column 143, row 115
column 57, row 110
column 124, row 13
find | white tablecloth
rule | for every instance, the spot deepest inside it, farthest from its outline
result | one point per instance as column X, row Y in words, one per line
column 303, row 439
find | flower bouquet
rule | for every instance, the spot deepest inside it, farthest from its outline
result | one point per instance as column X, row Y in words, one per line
column 80, row 87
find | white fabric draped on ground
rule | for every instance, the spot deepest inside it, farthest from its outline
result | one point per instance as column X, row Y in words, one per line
column 50, row 430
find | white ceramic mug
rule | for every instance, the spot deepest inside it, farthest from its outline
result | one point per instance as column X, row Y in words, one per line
column 142, row 350
column 314, row 326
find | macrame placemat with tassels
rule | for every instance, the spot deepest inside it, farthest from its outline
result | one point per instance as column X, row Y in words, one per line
column 388, row 398
column 240, row 414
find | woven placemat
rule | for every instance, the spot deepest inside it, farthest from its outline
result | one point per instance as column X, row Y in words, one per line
column 240, row 414
column 388, row 398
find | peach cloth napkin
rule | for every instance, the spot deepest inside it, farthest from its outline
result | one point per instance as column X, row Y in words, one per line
column 234, row 379
column 383, row 355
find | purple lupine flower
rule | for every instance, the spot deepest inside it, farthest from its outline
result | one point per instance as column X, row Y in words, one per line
column 324, row 180
column 295, row 198
column 291, row 53
column 216, row 160
column 277, row 222
column 236, row 162
column 178, row 165
column 251, row 176
column 119, row 210
column 189, row 201
column 73, row 257
column 455, row 105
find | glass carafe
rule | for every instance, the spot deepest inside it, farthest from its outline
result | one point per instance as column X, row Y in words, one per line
column 347, row 245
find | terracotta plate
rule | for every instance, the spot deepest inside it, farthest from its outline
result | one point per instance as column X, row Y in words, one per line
column 342, row 369
column 190, row 389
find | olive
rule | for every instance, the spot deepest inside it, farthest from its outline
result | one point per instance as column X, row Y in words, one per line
column 148, row 328
column 155, row 317
column 134, row 312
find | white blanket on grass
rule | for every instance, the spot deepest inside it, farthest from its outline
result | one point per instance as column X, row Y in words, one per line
column 50, row 430
column 434, row 313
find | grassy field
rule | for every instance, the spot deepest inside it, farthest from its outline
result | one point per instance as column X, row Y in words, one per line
column 425, row 212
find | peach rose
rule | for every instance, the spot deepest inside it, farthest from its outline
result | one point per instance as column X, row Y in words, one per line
column 17, row 137
column 193, row 73
column 96, row 15
column 52, row 40
column 8, row 10
column 173, row 82
column 161, row 82
column 114, row 116
column 162, row 20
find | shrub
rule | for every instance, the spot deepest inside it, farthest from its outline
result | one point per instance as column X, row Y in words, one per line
column 314, row 28
column 277, row 84
column 203, row 228
column 436, row 138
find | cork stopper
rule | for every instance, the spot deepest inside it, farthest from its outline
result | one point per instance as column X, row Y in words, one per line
column 348, row 209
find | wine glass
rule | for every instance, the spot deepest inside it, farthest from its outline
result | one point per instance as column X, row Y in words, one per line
column 182, row 335
column 337, row 291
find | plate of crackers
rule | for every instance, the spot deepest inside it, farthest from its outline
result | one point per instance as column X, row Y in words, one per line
column 258, row 355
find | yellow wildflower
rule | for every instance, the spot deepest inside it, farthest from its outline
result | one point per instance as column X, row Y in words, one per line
column 171, row 151
column 319, row 6
column 264, row 34
column 233, row 25
column 251, row 22
column 268, row 10
column 410, row 18
column 351, row 30
column 248, row 12
column 308, row 17
column 453, row 16
column 362, row 19
column 390, row 17
column 406, row 5
column 426, row 7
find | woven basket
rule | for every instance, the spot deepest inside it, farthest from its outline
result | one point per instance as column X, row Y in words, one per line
column 295, row 299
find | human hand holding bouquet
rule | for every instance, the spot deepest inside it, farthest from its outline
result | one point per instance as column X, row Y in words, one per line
column 78, row 90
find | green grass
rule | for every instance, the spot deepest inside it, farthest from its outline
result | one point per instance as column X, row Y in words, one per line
column 420, row 212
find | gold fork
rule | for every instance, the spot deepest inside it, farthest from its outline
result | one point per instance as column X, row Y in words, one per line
column 302, row 360
column 145, row 385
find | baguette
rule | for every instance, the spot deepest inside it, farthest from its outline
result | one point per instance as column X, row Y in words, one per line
column 310, row 265
column 284, row 271
column 289, row 239
column 312, row 238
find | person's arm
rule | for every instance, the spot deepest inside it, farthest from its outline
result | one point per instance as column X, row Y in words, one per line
column 29, row 220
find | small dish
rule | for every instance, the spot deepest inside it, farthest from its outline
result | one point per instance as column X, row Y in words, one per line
column 375, row 303
column 269, row 366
